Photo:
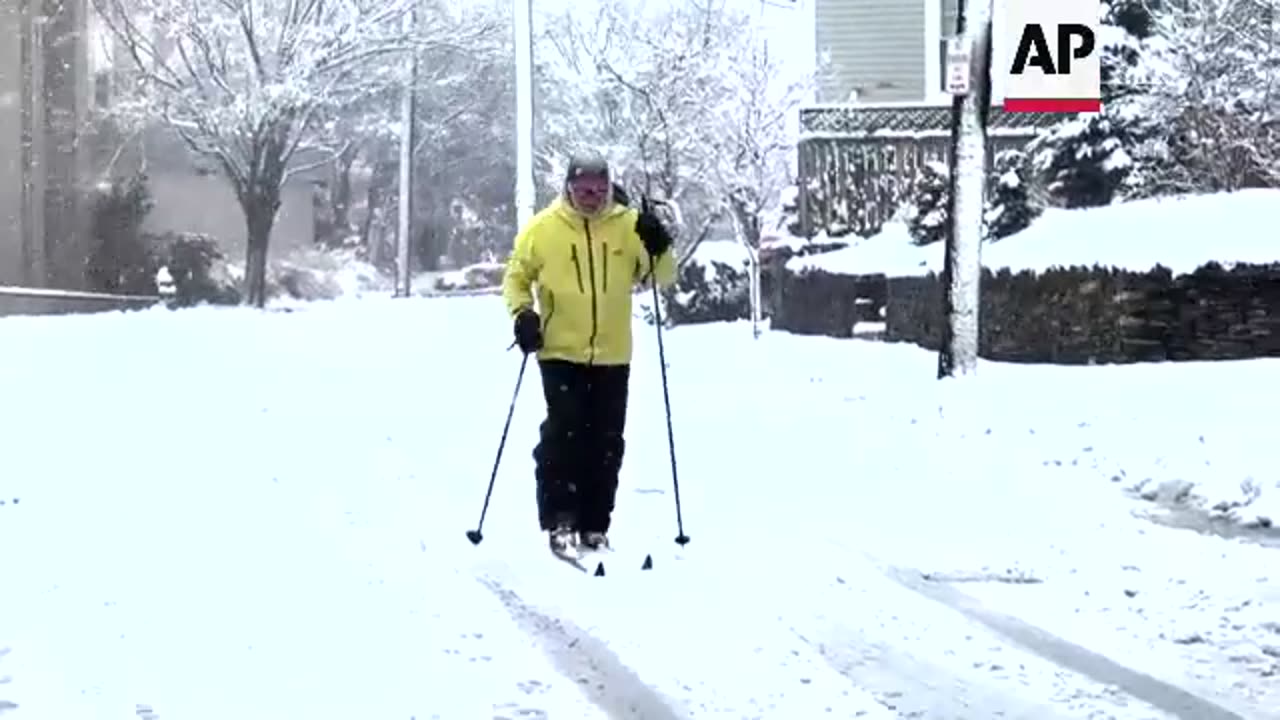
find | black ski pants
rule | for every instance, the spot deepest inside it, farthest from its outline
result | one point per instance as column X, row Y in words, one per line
column 579, row 452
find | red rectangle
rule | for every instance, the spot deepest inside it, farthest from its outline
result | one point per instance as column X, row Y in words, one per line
column 1052, row 105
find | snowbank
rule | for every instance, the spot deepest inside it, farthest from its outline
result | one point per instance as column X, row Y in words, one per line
column 311, row 274
column 478, row 276
column 889, row 252
column 343, row 273
column 725, row 252
column 1181, row 233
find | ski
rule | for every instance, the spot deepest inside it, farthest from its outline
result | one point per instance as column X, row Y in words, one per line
column 580, row 558
column 571, row 561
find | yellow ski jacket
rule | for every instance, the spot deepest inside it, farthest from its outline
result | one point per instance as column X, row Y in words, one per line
column 585, row 270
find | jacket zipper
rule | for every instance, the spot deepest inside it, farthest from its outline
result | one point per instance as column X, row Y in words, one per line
column 551, row 312
column 605, row 271
column 577, row 268
column 591, row 275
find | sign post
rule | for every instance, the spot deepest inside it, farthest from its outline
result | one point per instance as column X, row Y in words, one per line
column 959, row 69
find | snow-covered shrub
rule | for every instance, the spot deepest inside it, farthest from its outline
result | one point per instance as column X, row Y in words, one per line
column 122, row 259
column 472, row 277
column 198, row 270
column 319, row 274
column 709, row 290
column 1009, row 207
column 300, row 283
column 927, row 214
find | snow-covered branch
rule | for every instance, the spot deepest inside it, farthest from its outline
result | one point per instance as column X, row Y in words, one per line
column 686, row 101
column 1210, row 80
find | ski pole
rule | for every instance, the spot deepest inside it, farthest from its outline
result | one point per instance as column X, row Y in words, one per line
column 475, row 536
column 681, row 538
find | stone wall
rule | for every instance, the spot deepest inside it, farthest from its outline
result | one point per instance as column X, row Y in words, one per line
column 1065, row 316
column 38, row 301
column 819, row 303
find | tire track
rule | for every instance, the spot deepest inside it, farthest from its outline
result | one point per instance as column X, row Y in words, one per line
column 1159, row 694
column 599, row 673
column 924, row 661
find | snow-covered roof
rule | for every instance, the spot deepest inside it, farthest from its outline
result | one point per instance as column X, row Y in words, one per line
column 1181, row 233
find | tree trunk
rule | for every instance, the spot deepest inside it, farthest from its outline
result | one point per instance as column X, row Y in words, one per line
column 260, row 204
column 962, row 268
column 341, row 195
column 378, row 196
column 748, row 226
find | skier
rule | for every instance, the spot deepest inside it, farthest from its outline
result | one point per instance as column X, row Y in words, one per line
column 583, row 255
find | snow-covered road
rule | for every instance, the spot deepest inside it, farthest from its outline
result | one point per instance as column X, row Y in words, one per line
column 222, row 513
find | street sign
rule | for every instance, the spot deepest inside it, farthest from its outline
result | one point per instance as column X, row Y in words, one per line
column 959, row 68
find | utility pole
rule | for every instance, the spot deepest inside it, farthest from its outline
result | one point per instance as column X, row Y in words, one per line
column 523, row 31
column 962, row 266
column 408, row 117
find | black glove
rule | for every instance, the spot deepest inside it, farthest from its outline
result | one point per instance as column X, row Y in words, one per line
column 652, row 232
column 528, row 328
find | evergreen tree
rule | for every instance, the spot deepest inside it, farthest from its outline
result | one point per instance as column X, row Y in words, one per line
column 1009, row 207
column 927, row 215
column 1086, row 161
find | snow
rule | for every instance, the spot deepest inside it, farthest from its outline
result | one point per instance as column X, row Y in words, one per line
column 231, row 513
column 890, row 251
column 725, row 252
column 1181, row 233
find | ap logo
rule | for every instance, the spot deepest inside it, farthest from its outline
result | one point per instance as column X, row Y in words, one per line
column 1052, row 62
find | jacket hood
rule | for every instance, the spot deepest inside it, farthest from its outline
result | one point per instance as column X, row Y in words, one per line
column 566, row 211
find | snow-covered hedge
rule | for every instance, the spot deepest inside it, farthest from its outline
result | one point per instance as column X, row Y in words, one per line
column 815, row 302
column 1087, row 315
column 1078, row 286
column 1181, row 233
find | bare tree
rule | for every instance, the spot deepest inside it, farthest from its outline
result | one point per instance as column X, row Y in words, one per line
column 462, row 129
column 685, row 99
column 752, row 146
column 962, row 268
column 252, row 84
column 633, row 94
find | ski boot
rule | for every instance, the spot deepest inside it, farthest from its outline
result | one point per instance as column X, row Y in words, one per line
column 564, row 541
column 594, row 541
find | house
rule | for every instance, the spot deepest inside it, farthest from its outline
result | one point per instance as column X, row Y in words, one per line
column 886, row 51
column 883, row 111
column 44, row 100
